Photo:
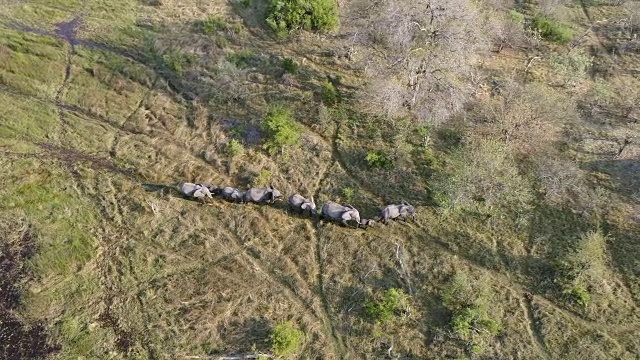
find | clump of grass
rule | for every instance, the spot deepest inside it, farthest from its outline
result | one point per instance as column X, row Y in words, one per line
column 280, row 128
column 551, row 30
column 286, row 339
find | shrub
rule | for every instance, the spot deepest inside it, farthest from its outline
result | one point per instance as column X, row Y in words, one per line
column 473, row 319
column 280, row 129
column 285, row 16
column 348, row 193
column 377, row 160
column 583, row 267
column 234, row 148
column 551, row 29
column 468, row 300
column 329, row 93
column 285, row 339
column 262, row 179
column 385, row 306
column 289, row 66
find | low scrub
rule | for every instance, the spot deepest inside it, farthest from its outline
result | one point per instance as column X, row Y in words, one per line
column 285, row 16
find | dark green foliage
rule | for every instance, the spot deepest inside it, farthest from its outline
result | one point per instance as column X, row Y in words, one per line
column 242, row 59
column 285, row 339
column 210, row 25
column 285, row 16
column 289, row 65
column 280, row 128
column 378, row 160
column 551, row 29
column 385, row 306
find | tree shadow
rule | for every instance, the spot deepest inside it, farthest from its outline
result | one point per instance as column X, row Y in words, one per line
column 623, row 174
column 245, row 336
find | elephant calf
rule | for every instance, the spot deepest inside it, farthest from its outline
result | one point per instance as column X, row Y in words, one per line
column 300, row 204
column 365, row 223
column 232, row 194
column 402, row 211
column 197, row 191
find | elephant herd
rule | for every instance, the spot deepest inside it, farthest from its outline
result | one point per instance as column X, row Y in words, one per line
column 342, row 213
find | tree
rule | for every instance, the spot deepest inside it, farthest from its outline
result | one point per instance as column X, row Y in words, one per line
column 420, row 55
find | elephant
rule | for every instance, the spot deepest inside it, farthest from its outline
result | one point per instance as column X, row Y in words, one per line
column 341, row 212
column 365, row 223
column 403, row 211
column 195, row 191
column 232, row 194
column 300, row 203
column 262, row 195
column 215, row 190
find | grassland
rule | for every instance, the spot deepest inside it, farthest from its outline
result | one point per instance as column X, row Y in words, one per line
column 531, row 193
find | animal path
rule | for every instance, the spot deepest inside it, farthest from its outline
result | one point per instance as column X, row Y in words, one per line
column 534, row 332
column 67, row 31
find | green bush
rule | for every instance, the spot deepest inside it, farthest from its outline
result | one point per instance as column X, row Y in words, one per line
column 551, row 29
column 385, row 306
column 280, row 128
column 473, row 319
column 378, row 160
column 285, row 16
column 234, row 148
column 579, row 294
column 329, row 93
column 285, row 339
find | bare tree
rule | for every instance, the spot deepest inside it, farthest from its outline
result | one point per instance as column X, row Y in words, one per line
column 419, row 55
